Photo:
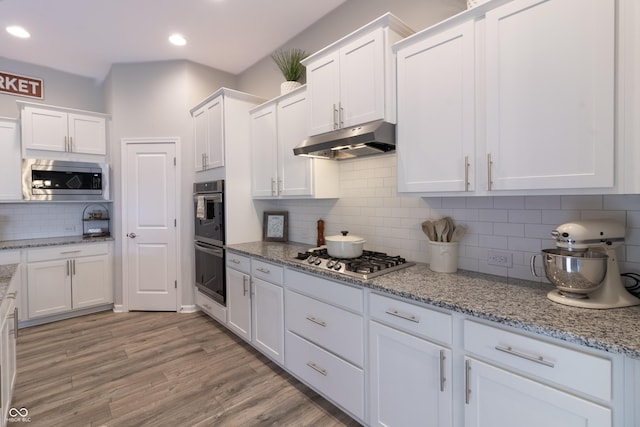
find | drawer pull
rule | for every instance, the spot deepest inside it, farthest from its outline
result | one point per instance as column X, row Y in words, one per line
column 467, row 381
column 409, row 317
column 317, row 368
column 234, row 260
column 12, row 295
column 263, row 270
column 317, row 321
column 71, row 252
column 537, row 359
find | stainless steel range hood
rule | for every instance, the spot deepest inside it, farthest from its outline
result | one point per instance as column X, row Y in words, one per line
column 376, row 137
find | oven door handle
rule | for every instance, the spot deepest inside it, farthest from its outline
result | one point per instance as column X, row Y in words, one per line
column 209, row 249
column 208, row 197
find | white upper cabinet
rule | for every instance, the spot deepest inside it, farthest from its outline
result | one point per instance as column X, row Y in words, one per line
column 550, row 81
column 514, row 98
column 276, row 128
column 10, row 162
column 352, row 81
column 59, row 130
column 220, row 118
column 208, row 135
column 436, row 111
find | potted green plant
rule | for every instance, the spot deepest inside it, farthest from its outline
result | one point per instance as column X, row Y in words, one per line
column 288, row 61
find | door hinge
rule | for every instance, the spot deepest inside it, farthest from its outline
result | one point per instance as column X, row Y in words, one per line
column 175, row 283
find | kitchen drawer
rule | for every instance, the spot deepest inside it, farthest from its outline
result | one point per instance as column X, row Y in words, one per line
column 211, row 307
column 67, row 251
column 340, row 381
column 421, row 321
column 583, row 372
column 266, row 271
column 330, row 327
column 335, row 293
column 238, row 262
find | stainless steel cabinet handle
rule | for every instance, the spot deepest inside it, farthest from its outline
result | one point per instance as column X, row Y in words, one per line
column 264, row 270
column 317, row 368
column 317, row 321
column 443, row 379
column 132, row 235
column 466, row 173
column 66, row 144
column 335, row 117
column 207, row 306
column 273, row 186
column 244, row 286
column 280, row 186
column 68, row 267
column 409, row 317
column 341, row 115
column 73, row 267
column 12, row 295
column 70, row 252
column 71, row 144
column 234, row 260
column 489, row 171
column 536, row 359
column 15, row 323
column 467, row 381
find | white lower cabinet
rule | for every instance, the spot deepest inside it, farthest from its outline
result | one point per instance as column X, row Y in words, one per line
column 499, row 398
column 67, row 278
column 8, row 337
column 255, row 303
column 239, row 303
column 410, row 378
column 325, row 338
column 268, row 309
column 512, row 379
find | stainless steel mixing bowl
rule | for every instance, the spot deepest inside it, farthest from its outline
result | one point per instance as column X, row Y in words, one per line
column 575, row 272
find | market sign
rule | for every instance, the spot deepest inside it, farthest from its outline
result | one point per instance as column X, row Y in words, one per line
column 15, row 84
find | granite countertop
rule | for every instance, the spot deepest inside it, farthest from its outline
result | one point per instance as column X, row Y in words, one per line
column 6, row 273
column 50, row 241
column 518, row 303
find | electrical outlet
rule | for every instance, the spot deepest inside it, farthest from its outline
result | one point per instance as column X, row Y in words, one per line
column 500, row 259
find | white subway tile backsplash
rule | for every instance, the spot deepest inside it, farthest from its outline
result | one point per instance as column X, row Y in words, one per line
column 543, row 202
column 515, row 202
column 582, row 202
column 493, row 215
column 532, row 216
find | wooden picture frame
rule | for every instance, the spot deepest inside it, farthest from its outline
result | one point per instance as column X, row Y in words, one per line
column 275, row 226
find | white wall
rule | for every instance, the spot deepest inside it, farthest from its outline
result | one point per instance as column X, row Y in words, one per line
column 64, row 89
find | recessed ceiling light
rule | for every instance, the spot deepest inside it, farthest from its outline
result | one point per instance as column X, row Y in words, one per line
column 18, row 31
column 177, row 40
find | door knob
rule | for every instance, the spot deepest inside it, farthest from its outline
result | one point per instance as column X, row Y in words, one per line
column 132, row 235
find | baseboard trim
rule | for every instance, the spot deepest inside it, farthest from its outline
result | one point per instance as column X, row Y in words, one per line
column 189, row 309
column 63, row 316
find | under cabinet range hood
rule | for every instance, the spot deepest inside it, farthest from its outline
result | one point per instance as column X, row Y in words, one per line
column 376, row 137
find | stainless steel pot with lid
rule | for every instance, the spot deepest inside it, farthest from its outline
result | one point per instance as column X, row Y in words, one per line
column 344, row 246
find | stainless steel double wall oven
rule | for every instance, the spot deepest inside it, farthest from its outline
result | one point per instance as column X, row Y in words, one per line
column 208, row 203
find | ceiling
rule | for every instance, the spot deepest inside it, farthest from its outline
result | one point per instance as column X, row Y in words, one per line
column 85, row 37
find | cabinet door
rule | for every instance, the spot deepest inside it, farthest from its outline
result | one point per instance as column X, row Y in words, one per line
column 498, row 398
column 215, row 132
column 323, row 86
column 436, row 134
column 362, row 80
column 10, row 161
column 410, row 379
column 264, row 149
column 87, row 134
column 91, row 281
column 294, row 172
column 49, row 287
column 200, row 138
column 550, row 94
column 268, row 318
column 44, row 129
column 239, row 303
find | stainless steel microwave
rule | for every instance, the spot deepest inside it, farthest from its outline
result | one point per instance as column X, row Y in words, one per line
column 64, row 180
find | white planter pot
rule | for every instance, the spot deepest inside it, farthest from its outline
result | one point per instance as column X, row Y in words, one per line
column 288, row 86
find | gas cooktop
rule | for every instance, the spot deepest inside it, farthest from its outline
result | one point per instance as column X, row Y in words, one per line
column 370, row 264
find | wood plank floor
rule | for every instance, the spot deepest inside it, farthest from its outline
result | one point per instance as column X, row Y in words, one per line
column 156, row 369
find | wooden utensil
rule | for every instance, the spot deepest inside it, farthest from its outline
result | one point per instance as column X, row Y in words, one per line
column 440, row 224
column 458, row 233
column 450, row 229
column 429, row 229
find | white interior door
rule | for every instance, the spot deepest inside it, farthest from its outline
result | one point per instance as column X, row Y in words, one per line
column 150, row 248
